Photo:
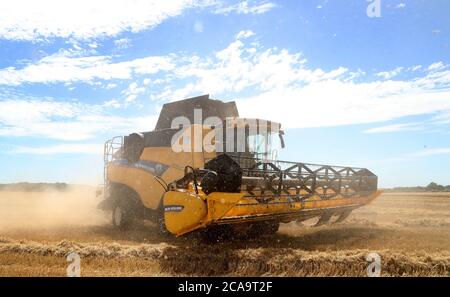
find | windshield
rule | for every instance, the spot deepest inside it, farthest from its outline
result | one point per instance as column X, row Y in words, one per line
column 252, row 144
column 264, row 146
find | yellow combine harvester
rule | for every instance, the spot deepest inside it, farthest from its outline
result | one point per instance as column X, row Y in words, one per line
column 231, row 184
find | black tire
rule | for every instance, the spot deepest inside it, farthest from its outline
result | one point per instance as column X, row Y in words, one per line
column 126, row 206
column 264, row 228
column 273, row 227
column 217, row 234
column 121, row 217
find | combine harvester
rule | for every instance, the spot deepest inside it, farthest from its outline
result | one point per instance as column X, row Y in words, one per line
column 233, row 187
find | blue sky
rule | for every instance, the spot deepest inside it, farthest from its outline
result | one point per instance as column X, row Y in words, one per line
column 349, row 89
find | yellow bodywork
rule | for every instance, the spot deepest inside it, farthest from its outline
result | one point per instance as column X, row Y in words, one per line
column 185, row 210
column 144, row 183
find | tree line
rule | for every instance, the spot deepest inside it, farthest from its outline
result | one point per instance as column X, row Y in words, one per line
column 431, row 187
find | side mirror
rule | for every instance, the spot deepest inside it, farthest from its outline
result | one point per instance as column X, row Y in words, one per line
column 280, row 134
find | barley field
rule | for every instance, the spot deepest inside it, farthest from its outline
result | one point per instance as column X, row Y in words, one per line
column 410, row 232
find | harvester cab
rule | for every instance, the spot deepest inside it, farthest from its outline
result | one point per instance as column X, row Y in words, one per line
column 205, row 168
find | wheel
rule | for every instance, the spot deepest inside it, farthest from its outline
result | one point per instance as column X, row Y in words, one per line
column 121, row 218
column 272, row 227
column 217, row 234
column 126, row 206
column 262, row 228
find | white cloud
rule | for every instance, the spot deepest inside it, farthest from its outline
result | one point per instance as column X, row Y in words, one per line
column 415, row 68
column 401, row 5
column 390, row 74
column 438, row 123
column 247, row 7
column 442, row 117
column 114, row 103
column 132, row 92
column 122, row 43
column 244, row 34
column 87, row 20
column 436, row 66
column 82, row 148
column 431, row 152
column 396, row 128
column 334, row 103
column 287, row 90
column 69, row 121
column 62, row 67
column 110, row 86
column 84, row 19
column 237, row 67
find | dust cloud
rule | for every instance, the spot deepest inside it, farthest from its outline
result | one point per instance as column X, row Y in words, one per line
column 75, row 206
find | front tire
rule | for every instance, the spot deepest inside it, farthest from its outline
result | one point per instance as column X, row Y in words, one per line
column 126, row 206
column 264, row 228
column 121, row 218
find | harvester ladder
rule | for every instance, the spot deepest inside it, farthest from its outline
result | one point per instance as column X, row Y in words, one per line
column 111, row 152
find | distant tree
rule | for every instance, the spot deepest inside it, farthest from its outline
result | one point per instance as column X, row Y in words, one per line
column 434, row 187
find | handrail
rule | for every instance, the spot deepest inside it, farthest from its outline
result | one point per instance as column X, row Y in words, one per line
column 110, row 149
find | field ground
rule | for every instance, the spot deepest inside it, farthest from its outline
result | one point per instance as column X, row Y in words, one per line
column 410, row 231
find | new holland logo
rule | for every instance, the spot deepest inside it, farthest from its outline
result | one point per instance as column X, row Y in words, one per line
column 173, row 208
